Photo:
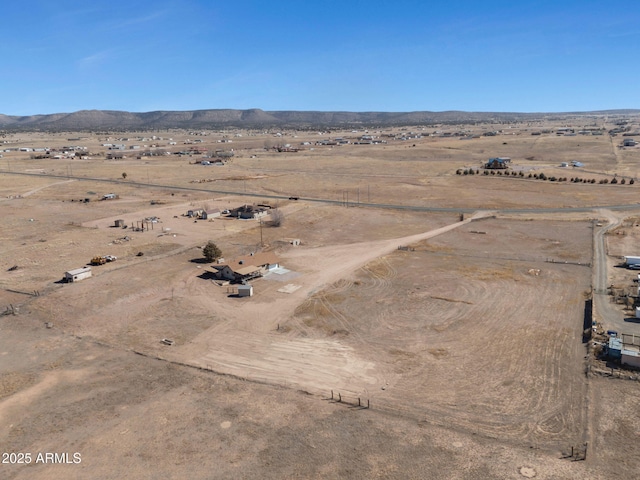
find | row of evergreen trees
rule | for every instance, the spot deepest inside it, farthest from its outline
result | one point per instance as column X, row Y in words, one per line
column 542, row 176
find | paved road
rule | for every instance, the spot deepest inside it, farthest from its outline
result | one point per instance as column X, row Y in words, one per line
column 418, row 208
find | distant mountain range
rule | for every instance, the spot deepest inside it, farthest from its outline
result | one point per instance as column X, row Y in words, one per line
column 85, row 120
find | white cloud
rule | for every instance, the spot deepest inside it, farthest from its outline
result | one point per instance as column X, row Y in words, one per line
column 94, row 60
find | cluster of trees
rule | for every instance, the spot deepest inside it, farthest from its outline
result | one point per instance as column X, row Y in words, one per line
column 542, row 176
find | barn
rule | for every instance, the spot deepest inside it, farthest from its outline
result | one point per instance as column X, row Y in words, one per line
column 209, row 214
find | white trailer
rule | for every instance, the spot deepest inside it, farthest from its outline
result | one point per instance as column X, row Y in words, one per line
column 631, row 261
column 77, row 274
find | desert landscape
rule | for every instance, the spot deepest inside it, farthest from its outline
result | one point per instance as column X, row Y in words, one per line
column 431, row 314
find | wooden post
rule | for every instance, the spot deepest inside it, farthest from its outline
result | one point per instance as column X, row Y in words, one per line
column 358, row 401
column 331, row 394
column 339, row 397
column 367, row 403
column 585, row 451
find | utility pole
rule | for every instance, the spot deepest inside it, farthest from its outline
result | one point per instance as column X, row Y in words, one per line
column 261, row 242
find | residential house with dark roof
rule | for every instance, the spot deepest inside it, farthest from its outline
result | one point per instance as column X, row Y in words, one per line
column 247, row 267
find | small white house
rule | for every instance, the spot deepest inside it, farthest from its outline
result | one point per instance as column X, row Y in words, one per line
column 77, row 274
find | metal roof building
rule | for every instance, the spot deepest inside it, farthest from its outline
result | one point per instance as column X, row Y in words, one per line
column 630, row 353
column 626, row 348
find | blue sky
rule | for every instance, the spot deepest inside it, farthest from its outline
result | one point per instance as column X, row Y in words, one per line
column 473, row 55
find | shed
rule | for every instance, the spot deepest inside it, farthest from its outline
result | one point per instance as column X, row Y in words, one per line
column 210, row 214
column 630, row 356
column 245, row 290
column 119, row 223
column 196, row 212
column 630, row 353
column 77, row 274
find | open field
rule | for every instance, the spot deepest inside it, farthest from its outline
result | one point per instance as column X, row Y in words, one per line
column 466, row 341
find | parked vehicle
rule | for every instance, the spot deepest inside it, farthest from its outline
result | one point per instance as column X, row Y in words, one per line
column 98, row 260
column 102, row 259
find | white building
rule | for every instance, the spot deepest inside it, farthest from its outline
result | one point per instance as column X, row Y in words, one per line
column 77, row 274
column 630, row 353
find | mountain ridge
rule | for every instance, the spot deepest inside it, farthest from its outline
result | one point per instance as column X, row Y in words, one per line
column 258, row 118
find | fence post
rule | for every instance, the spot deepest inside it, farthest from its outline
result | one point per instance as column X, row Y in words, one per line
column 585, row 450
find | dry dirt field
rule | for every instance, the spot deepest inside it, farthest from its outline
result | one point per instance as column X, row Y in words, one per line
column 465, row 342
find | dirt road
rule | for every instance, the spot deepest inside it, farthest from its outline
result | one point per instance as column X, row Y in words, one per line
column 604, row 310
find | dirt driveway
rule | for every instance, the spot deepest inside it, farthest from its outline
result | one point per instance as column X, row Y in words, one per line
column 246, row 343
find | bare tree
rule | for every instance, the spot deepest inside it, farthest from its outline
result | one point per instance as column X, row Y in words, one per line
column 277, row 217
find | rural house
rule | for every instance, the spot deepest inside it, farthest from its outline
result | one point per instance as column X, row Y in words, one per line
column 247, row 267
column 498, row 163
column 249, row 212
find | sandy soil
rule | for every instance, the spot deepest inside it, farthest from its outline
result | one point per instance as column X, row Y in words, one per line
column 466, row 343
